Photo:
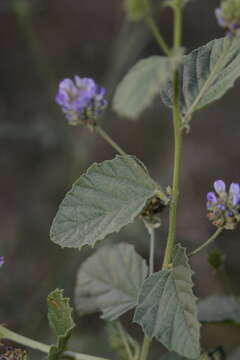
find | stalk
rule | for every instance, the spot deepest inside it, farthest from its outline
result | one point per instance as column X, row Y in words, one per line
column 208, row 242
column 23, row 340
column 146, row 341
column 109, row 140
column 178, row 138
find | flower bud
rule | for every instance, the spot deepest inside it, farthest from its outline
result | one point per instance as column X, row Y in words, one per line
column 224, row 207
column 216, row 259
column 228, row 16
column 81, row 100
column 137, row 9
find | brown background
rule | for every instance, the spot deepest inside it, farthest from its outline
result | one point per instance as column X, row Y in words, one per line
column 40, row 156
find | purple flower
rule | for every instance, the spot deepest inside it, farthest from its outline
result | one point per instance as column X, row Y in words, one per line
column 1, row 261
column 219, row 186
column 228, row 17
column 211, row 199
column 224, row 206
column 81, row 99
column 221, row 207
column 219, row 16
column 234, row 192
column 234, row 188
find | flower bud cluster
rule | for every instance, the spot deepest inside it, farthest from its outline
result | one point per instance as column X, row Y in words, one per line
column 224, row 206
column 137, row 9
column 81, row 100
column 150, row 214
column 228, row 16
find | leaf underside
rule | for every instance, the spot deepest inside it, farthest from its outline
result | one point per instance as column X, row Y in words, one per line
column 141, row 84
column 219, row 308
column 205, row 75
column 107, row 197
column 167, row 308
column 110, row 281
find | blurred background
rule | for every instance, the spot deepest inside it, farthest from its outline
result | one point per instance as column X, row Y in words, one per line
column 42, row 42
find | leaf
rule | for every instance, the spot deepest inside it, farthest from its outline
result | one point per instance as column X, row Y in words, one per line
column 115, row 340
column 109, row 281
column 167, row 308
column 141, row 84
column 60, row 321
column 103, row 200
column 219, row 308
column 205, row 75
column 235, row 355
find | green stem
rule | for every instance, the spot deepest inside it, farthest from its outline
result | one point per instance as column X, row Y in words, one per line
column 151, row 253
column 23, row 340
column 146, row 341
column 176, row 174
column 125, row 341
column 178, row 138
column 145, row 348
column 158, row 36
column 109, row 140
column 208, row 242
column 177, row 35
column 24, row 16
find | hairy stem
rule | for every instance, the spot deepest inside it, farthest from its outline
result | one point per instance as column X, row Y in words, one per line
column 177, row 32
column 23, row 340
column 125, row 341
column 109, row 140
column 178, row 137
column 157, row 35
column 208, row 242
column 145, row 348
column 146, row 341
column 151, row 253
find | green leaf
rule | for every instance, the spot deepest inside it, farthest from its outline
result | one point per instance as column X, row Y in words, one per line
column 141, row 84
column 109, row 281
column 167, row 308
column 60, row 321
column 102, row 201
column 205, row 75
column 114, row 333
column 219, row 308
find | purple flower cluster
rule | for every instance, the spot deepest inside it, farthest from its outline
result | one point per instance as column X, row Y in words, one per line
column 228, row 18
column 1, row 261
column 223, row 206
column 81, row 100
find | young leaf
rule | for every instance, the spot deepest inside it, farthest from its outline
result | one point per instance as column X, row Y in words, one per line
column 109, row 281
column 141, row 84
column 116, row 341
column 219, row 308
column 109, row 196
column 167, row 308
column 60, row 321
column 205, row 75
